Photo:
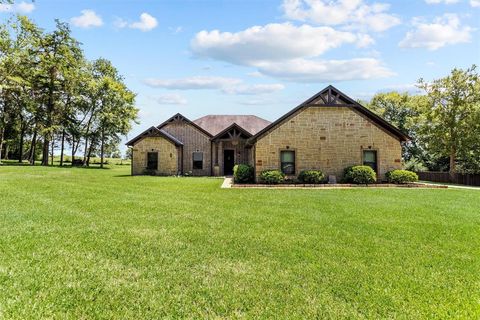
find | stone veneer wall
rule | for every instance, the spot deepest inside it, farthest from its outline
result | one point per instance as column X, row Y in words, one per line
column 329, row 139
column 193, row 140
column 167, row 156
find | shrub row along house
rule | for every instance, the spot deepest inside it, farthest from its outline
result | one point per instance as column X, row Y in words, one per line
column 329, row 132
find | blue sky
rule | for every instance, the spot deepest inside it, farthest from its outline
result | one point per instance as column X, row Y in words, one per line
column 265, row 57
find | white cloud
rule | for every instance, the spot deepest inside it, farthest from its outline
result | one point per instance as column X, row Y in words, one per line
column 303, row 70
column 120, row 23
column 272, row 42
column 146, row 23
column 254, row 89
column 176, row 29
column 172, row 98
column 364, row 40
column 290, row 52
column 441, row 1
column 226, row 85
column 193, row 83
column 445, row 30
column 22, row 7
column 354, row 14
column 87, row 19
column 475, row 3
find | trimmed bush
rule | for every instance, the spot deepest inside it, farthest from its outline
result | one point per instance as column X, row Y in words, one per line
column 243, row 173
column 272, row 176
column 360, row 175
column 401, row 176
column 346, row 174
column 311, row 176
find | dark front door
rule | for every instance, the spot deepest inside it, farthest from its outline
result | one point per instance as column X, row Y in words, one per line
column 228, row 162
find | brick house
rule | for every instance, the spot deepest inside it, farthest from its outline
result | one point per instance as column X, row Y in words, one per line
column 329, row 131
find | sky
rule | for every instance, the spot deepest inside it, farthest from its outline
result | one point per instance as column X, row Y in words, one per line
column 264, row 57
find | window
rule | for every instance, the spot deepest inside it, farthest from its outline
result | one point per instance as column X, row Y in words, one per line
column 287, row 159
column 370, row 159
column 198, row 160
column 152, row 160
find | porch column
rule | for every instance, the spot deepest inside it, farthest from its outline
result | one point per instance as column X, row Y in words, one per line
column 220, row 157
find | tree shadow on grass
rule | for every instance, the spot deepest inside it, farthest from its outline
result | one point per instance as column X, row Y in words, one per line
column 15, row 163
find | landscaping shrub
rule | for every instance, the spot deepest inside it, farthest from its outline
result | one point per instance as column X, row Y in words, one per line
column 360, row 175
column 401, row 176
column 272, row 176
column 243, row 173
column 311, row 176
column 346, row 174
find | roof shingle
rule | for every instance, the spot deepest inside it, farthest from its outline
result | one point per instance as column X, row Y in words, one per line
column 214, row 124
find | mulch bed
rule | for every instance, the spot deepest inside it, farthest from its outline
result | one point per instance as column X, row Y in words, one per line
column 339, row 186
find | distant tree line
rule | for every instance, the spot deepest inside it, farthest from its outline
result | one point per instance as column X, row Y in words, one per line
column 53, row 98
column 443, row 122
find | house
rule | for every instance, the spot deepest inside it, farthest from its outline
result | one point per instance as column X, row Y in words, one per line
column 329, row 131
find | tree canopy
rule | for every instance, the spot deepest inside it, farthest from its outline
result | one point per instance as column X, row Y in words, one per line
column 51, row 95
column 444, row 122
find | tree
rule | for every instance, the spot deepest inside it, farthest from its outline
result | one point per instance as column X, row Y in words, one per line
column 113, row 110
column 58, row 53
column 448, row 123
column 48, row 90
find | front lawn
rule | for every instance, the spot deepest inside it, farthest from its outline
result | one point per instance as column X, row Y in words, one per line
column 90, row 243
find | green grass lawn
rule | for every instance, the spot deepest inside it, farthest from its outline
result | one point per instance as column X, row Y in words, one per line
column 90, row 243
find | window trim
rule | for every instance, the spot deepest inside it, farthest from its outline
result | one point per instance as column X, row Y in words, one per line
column 294, row 161
column 376, row 158
column 147, row 162
column 193, row 160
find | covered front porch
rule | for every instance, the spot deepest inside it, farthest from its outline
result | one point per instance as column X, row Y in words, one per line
column 229, row 148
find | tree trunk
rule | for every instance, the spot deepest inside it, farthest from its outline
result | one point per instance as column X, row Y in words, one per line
column 62, row 147
column 53, row 149
column 45, row 151
column 102, row 148
column 85, row 152
column 74, row 150
column 7, row 147
column 2, row 131
column 20, row 146
column 90, row 152
column 31, row 157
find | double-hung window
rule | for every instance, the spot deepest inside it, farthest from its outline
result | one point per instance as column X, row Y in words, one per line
column 198, row 160
column 370, row 159
column 287, row 161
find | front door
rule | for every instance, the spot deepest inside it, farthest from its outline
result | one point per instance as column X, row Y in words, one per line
column 228, row 162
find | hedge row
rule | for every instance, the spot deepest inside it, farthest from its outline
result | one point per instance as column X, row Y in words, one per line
column 243, row 173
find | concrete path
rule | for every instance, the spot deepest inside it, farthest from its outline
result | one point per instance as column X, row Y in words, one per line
column 227, row 183
column 450, row 185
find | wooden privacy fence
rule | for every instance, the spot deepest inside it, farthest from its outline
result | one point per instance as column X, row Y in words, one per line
column 458, row 178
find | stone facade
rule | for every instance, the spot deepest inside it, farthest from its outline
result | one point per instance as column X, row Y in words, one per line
column 168, row 155
column 329, row 139
column 193, row 140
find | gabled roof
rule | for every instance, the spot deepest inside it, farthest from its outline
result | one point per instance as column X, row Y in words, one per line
column 155, row 132
column 217, row 123
column 180, row 117
column 233, row 131
column 332, row 97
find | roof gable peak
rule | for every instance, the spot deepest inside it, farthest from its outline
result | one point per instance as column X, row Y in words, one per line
column 330, row 96
column 178, row 117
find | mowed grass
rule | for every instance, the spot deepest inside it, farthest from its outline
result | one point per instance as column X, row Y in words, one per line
column 90, row 243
